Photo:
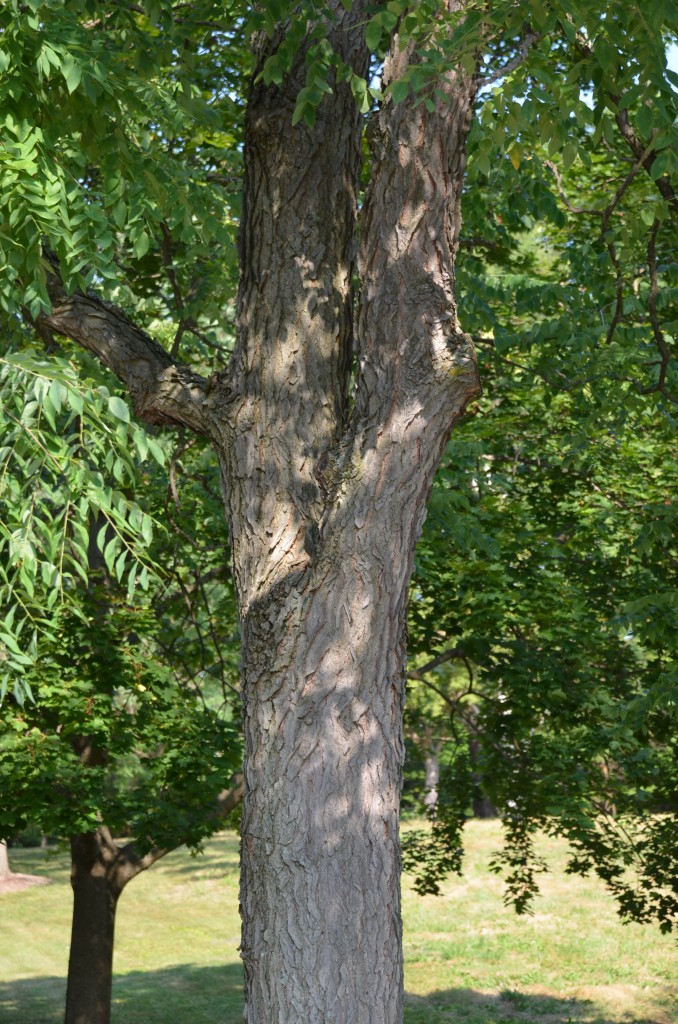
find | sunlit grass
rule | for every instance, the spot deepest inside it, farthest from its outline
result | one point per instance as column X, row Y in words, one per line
column 468, row 958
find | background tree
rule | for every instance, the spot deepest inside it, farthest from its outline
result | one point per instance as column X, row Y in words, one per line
column 566, row 485
column 128, row 728
column 326, row 462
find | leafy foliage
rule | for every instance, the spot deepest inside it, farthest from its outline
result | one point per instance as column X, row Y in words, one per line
column 69, row 457
column 119, row 149
column 549, row 556
column 112, row 738
column 131, row 718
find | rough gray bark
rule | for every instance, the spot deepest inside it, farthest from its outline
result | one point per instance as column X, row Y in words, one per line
column 325, row 510
column 324, row 652
column 161, row 390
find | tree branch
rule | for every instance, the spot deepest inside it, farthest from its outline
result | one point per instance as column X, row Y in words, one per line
column 561, row 190
column 161, row 390
column 657, row 332
column 643, row 153
column 225, row 802
column 449, row 655
column 528, row 42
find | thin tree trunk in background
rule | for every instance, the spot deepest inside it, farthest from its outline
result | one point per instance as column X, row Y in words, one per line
column 482, row 805
column 5, row 870
column 431, row 782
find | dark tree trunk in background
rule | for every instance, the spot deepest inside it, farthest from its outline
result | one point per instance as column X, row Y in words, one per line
column 100, row 870
column 482, row 805
column 96, row 890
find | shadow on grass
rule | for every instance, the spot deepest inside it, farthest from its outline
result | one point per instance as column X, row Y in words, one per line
column 213, row 995
column 220, row 857
column 205, row 867
column 466, row 1006
column 50, row 863
column 181, row 995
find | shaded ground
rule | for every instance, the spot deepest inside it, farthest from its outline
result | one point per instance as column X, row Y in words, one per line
column 190, row 994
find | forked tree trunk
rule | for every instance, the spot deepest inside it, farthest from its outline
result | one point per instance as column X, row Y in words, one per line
column 325, row 505
column 100, row 870
column 324, row 522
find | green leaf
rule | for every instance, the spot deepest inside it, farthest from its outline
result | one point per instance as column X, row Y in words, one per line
column 373, row 33
column 570, row 152
column 119, row 408
column 155, row 450
column 147, row 529
column 131, row 581
column 141, row 245
column 72, row 73
column 400, row 90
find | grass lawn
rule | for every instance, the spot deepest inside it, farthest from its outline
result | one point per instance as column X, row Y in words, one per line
column 468, row 960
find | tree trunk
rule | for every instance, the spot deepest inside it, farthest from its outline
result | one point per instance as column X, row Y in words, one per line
column 100, row 870
column 482, row 805
column 324, row 521
column 95, row 897
column 5, row 870
column 432, row 779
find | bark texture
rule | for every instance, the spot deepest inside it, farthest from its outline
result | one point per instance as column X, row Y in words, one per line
column 286, row 387
column 161, row 390
column 324, row 571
